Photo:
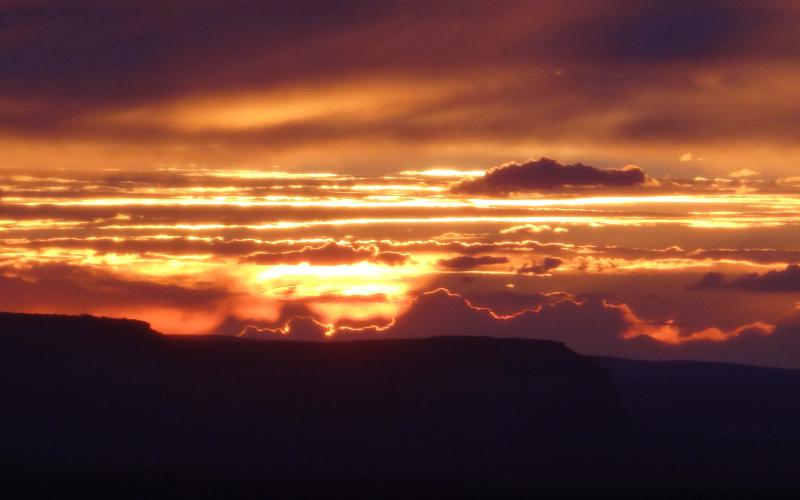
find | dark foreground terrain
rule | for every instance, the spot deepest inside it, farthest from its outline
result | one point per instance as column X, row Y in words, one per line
column 109, row 406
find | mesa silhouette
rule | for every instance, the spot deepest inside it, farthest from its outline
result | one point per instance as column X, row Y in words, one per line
column 107, row 394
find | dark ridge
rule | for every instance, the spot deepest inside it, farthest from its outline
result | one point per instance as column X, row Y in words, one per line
column 53, row 330
column 99, row 400
column 710, row 398
column 631, row 371
column 113, row 393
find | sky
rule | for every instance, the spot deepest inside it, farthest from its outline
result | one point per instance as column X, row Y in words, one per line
column 620, row 176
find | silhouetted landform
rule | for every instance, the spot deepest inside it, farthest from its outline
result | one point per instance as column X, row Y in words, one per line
column 57, row 331
column 711, row 398
column 101, row 398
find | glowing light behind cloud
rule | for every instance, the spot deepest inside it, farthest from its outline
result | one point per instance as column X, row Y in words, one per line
column 192, row 227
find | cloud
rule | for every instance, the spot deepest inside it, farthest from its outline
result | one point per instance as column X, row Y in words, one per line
column 605, row 75
column 593, row 326
column 754, row 344
column 296, row 321
column 587, row 325
column 789, row 180
column 331, row 253
column 710, row 281
column 547, row 174
column 296, row 328
column 476, row 247
column 68, row 288
column 466, row 262
column 506, row 302
column 744, row 172
column 392, row 258
column 547, row 265
column 760, row 255
column 532, row 229
column 786, row 280
column 670, row 32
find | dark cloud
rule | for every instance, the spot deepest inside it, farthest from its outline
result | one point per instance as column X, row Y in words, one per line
column 296, row 319
column 589, row 325
column 392, row 258
column 659, row 31
column 138, row 49
column 467, row 262
column 67, row 288
column 547, row 265
column 786, row 280
column 558, row 72
column 50, row 42
column 506, row 302
column 710, row 281
column 546, row 174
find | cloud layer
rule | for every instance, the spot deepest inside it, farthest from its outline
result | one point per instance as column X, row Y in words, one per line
column 346, row 84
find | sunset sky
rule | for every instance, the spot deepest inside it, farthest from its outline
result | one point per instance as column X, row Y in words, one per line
column 621, row 176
